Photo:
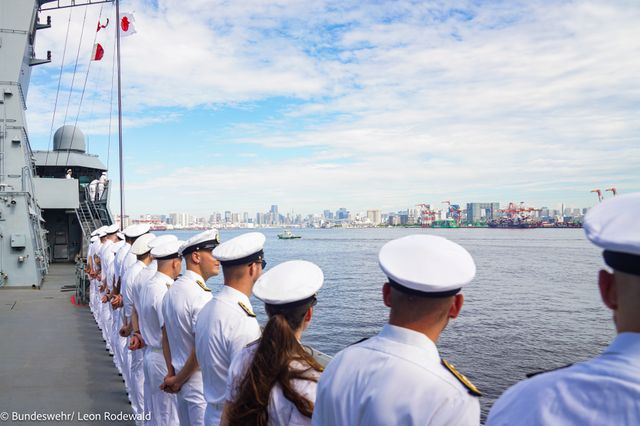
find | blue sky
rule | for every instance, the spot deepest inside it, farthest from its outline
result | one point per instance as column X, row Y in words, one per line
column 314, row 105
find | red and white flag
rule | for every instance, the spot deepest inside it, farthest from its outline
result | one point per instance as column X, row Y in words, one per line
column 98, row 52
column 127, row 26
column 101, row 26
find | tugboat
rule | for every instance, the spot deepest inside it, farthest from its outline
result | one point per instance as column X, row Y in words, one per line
column 288, row 235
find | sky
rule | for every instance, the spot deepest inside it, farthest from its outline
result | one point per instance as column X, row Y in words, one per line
column 360, row 104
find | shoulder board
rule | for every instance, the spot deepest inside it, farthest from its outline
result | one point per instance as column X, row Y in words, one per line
column 202, row 286
column 461, row 378
column 530, row 375
column 359, row 341
column 255, row 342
column 247, row 310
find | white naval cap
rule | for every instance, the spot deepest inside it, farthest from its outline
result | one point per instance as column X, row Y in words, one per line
column 204, row 240
column 289, row 282
column 94, row 238
column 427, row 265
column 141, row 245
column 120, row 235
column 243, row 249
column 116, row 246
column 135, row 230
column 166, row 238
column 166, row 250
column 95, row 232
column 613, row 225
column 111, row 229
column 102, row 231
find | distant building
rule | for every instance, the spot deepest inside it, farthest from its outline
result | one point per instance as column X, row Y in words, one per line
column 477, row 212
column 227, row 216
column 374, row 216
column 342, row 214
column 328, row 214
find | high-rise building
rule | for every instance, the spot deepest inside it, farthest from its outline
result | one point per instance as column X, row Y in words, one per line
column 342, row 214
column 328, row 214
column 477, row 212
column 227, row 216
column 374, row 216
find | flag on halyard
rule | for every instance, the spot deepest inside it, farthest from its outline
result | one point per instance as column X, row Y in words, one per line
column 101, row 26
column 127, row 26
column 98, row 52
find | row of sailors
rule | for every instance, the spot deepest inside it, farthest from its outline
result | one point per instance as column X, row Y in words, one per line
column 206, row 361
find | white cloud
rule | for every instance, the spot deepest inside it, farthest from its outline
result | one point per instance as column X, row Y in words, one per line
column 534, row 101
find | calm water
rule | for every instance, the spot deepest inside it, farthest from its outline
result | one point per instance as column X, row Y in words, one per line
column 534, row 303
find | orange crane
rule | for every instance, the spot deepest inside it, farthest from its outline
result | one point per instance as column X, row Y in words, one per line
column 613, row 190
column 427, row 216
column 597, row 191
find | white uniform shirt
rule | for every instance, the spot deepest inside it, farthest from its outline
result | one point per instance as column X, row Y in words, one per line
column 393, row 378
column 129, row 281
column 121, row 254
column 148, row 272
column 282, row 412
column 150, row 313
column 106, row 257
column 180, row 309
column 601, row 391
column 115, row 247
column 223, row 329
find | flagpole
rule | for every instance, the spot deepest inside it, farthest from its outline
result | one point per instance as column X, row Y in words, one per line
column 120, row 116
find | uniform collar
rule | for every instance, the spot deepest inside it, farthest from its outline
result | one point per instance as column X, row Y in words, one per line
column 165, row 278
column 625, row 344
column 410, row 338
column 237, row 296
column 193, row 275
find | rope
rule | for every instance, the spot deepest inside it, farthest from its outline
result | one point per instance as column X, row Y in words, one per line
column 73, row 79
column 84, row 87
column 113, row 71
column 55, row 105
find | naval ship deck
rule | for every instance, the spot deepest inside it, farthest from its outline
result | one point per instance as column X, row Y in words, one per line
column 52, row 357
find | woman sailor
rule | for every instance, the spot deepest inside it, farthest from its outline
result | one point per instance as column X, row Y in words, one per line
column 273, row 380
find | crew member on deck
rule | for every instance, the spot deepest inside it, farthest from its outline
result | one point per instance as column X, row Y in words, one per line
column 227, row 323
column 604, row 390
column 180, row 309
column 398, row 377
column 162, row 405
column 264, row 369
column 106, row 258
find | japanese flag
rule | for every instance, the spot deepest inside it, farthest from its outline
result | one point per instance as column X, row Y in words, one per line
column 127, row 26
column 98, row 52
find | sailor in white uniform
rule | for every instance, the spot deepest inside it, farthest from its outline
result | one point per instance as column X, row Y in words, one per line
column 131, row 233
column 106, row 258
column 161, row 405
column 93, row 189
column 604, row 390
column 398, row 376
column 227, row 323
column 180, row 308
column 114, row 337
column 89, row 269
column 289, row 293
column 140, row 248
column 147, row 273
column 102, row 183
column 94, row 264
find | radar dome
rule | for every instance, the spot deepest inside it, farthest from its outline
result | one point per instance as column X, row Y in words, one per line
column 69, row 138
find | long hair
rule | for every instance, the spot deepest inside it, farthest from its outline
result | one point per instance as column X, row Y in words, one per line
column 271, row 365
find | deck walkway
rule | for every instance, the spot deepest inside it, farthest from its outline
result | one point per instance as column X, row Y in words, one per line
column 52, row 357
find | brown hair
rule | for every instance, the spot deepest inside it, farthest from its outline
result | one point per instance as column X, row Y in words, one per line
column 271, row 365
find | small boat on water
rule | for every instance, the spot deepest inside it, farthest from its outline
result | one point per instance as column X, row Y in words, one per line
column 288, row 235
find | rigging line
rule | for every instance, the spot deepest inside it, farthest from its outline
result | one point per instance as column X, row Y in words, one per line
column 55, row 105
column 113, row 71
column 93, row 101
column 66, row 113
column 84, row 87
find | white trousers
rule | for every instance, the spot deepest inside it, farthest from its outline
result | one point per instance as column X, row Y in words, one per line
column 213, row 414
column 163, row 406
column 191, row 403
column 136, row 381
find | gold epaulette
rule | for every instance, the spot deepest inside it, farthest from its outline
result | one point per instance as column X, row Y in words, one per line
column 247, row 310
column 202, row 286
column 461, row 378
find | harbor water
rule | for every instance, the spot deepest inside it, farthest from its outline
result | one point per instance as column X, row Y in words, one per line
column 534, row 304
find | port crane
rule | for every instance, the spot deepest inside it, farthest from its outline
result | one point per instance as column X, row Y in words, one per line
column 427, row 215
column 599, row 192
column 453, row 211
